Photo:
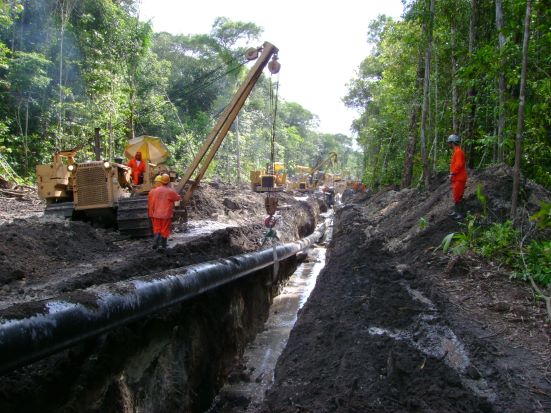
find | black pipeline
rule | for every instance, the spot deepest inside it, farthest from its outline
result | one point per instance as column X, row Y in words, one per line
column 63, row 321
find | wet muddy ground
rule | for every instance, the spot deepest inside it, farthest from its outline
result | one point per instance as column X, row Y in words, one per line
column 254, row 374
column 393, row 324
column 174, row 359
column 41, row 257
column 396, row 325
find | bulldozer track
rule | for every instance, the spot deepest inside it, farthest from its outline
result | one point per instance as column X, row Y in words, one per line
column 61, row 209
column 132, row 217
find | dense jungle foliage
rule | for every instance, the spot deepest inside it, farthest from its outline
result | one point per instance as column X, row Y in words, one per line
column 448, row 66
column 69, row 66
column 455, row 66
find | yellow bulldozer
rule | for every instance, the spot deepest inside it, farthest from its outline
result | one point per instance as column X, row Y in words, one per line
column 96, row 190
column 272, row 179
column 309, row 178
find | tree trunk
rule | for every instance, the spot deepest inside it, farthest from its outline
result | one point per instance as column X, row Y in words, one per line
column 435, row 141
column 455, row 99
column 130, row 120
column 385, row 159
column 237, row 150
column 66, row 7
column 412, row 139
column 471, row 106
column 501, row 81
column 27, row 138
column 426, row 86
column 521, row 104
column 60, row 109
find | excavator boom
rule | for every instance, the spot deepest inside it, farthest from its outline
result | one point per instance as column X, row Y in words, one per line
column 205, row 155
column 330, row 160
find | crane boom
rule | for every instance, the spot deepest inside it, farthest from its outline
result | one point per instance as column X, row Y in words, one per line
column 205, row 155
column 331, row 159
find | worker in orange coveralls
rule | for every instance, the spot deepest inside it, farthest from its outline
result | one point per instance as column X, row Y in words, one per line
column 161, row 209
column 138, row 168
column 458, row 177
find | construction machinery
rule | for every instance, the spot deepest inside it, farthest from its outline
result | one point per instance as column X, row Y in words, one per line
column 90, row 190
column 310, row 178
column 302, row 181
column 101, row 190
column 269, row 180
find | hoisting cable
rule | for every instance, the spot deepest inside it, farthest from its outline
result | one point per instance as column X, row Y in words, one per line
column 198, row 86
column 271, row 201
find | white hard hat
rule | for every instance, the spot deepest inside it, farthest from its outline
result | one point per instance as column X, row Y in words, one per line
column 453, row 139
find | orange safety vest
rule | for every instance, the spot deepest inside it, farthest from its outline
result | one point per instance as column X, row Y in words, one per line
column 161, row 202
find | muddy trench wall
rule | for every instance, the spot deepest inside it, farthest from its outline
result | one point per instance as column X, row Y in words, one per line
column 175, row 360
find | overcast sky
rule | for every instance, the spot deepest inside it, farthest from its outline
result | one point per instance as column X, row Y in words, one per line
column 321, row 43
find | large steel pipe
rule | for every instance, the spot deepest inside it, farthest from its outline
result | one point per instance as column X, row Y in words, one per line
column 66, row 320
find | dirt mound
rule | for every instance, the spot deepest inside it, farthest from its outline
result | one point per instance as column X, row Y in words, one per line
column 30, row 246
column 399, row 216
column 394, row 325
column 224, row 203
column 42, row 257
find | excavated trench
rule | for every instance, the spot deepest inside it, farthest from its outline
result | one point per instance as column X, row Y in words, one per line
column 175, row 359
column 254, row 373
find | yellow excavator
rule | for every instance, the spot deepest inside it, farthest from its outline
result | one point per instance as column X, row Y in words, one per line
column 310, row 178
column 101, row 190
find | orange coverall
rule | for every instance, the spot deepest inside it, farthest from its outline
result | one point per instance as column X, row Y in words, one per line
column 137, row 170
column 458, row 174
column 160, row 205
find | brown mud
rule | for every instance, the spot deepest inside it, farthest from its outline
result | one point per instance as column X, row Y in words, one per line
column 393, row 324
column 174, row 360
column 41, row 257
column 396, row 325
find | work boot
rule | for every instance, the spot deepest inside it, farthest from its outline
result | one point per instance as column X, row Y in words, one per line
column 458, row 214
column 163, row 243
column 156, row 240
column 462, row 209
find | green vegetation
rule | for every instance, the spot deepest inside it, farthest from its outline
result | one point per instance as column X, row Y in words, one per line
column 69, row 66
column 451, row 67
column 503, row 244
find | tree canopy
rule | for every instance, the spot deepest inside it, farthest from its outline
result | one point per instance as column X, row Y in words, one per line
column 68, row 67
column 473, row 82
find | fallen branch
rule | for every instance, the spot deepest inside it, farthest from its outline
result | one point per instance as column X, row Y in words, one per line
column 546, row 298
column 12, row 193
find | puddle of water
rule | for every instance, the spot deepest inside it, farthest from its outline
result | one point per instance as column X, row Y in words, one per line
column 197, row 229
column 261, row 355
